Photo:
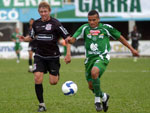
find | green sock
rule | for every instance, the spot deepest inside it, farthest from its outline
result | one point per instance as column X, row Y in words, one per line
column 18, row 55
column 97, row 89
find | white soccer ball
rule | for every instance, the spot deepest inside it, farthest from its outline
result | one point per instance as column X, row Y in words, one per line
column 69, row 88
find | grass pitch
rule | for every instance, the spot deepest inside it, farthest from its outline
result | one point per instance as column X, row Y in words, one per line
column 127, row 83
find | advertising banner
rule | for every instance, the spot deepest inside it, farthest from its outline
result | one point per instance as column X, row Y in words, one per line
column 27, row 3
column 117, row 49
column 113, row 8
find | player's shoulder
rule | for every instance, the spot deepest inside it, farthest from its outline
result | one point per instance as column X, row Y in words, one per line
column 55, row 21
column 84, row 26
column 106, row 25
column 37, row 20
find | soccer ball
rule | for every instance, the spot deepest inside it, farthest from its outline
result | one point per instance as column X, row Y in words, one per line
column 69, row 88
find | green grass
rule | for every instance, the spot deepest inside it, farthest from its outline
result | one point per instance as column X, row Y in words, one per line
column 127, row 82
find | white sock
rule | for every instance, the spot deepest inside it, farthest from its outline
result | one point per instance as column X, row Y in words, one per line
column 97, row 99
column 104, row 97
column 42, row 104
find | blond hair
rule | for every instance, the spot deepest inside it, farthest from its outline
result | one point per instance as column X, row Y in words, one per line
column 44, row 4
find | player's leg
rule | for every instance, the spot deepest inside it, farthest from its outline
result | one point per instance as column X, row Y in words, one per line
column 135, row 46
column 17, row 52
column 53, row 79
column 96, row 72
column 89, row 72
column 53, row 67
column 30, row 61
column 39, row 70
column 18, row 55
column 90, row 86
column 96, row 87
column 38, row 77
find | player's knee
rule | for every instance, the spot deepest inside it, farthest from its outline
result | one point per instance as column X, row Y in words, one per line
column 38, row 79
column 94, row 74
column 53, row 82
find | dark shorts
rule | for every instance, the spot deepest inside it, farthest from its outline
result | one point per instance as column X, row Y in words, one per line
column 32, row 46
column 43, row 65
column 135, row 45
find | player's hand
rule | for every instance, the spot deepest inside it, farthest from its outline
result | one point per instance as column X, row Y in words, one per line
column 135, row 53
column 67, row 39
column 21, row 38
column 67, row 59
column 70, row 40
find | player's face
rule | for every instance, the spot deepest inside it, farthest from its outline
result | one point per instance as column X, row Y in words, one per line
column 93, row 20
column 44, row 13
column 17, row 30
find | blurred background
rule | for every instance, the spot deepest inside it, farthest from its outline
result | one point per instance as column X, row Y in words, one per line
column 121, row 14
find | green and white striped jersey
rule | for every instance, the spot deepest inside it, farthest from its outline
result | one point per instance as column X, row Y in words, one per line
column 97, row 39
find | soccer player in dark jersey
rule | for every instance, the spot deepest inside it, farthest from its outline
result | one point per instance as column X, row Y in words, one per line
column 31, row 47
column 96, row 39
column 135, row 35
column 47, row 31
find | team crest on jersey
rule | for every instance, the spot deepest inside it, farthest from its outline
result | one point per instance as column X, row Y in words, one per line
column 94, row 38
column 48, row 26
column 94, row 32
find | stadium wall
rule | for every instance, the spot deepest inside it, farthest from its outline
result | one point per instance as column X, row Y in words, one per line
column 117, row 49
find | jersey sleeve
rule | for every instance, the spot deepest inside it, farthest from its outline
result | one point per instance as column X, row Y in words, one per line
column 62, row 30
column 32, row 31
column 114, row 33
column 79, row 33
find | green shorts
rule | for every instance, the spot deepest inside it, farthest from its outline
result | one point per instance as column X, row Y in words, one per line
column 17, row 47
column 96, row 62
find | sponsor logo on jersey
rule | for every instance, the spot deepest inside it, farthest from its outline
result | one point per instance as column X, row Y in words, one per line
column 89, row 36
column 48, row 26
column 94, row 32
column 94, row 52
column 94, row 47
column 101, row 36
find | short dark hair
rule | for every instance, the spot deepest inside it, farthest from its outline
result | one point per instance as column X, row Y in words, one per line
column 31, row 19
column 93, row 12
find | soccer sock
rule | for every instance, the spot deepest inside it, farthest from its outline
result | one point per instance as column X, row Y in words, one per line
column 97, row 99
column 39, row 92
column 18, row 56
column 30, row 61
column 96, row 86
column 42, row 104
column 104, row 97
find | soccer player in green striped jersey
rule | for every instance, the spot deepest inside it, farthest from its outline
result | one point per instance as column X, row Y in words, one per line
column 97, row 37
column 18, row 46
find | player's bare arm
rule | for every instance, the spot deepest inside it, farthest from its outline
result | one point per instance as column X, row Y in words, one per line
column 70, row 40
column 124, row 42
column 25, row 39
column 68, row 54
